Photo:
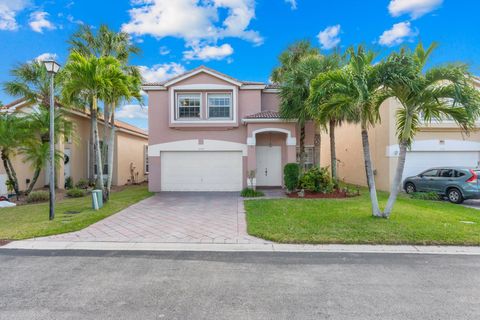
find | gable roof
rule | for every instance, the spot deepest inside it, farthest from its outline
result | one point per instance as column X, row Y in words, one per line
column 198, row 70
column 22, row 102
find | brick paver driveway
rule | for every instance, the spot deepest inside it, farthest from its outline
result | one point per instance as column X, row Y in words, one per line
column 173, row 217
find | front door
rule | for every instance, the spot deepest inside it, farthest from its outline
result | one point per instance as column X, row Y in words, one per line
column 269, row 166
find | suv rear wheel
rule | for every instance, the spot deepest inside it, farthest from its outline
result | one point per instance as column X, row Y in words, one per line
column 410, row 188
column 454, row 195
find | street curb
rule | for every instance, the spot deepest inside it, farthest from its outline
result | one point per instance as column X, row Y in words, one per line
column 255, row 247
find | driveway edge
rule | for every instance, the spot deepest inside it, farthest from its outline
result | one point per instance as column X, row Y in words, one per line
column 252, row 247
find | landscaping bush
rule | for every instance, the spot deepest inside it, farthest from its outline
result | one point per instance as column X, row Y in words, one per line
column 250, row 193
column 425, row 196
column 38, row 196
column 76, row 193
column 82, row 184
column 68, row 183
column 317, row 179
column 291, row 172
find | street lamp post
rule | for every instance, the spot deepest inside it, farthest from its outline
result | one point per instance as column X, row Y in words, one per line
column 52, row 68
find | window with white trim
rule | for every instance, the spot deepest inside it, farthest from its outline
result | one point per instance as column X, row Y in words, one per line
column 145, row 159
column 188, row 105
column 219, row 106
column 309, row 157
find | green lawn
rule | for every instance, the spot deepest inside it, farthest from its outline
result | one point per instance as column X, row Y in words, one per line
column 350, row 221
column 29, row 221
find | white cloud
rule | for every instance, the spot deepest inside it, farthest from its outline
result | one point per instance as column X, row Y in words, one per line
column 399, row 33
column 164, row 51
column 161, row 72
column 329, row 37
column 207, row 52
column 46, row 56
column 193, row 20
column 414, row 8
column 8, row 12
column 132, row 111
column 293, row 4
column 38, row 21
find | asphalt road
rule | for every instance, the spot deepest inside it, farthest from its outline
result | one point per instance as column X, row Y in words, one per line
column 201, row 285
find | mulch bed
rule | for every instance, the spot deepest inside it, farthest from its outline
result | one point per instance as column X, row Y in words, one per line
column 3, row 242
column 337, row 194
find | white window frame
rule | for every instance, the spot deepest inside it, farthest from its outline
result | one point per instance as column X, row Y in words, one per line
column 229, row 94
column 177, row 105
column 307, row 164
column 145, row 159
column 199, row 88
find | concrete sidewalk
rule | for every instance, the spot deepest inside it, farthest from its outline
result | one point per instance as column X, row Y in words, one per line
column 250, row 247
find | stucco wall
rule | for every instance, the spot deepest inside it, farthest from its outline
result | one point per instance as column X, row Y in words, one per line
column 130, row 150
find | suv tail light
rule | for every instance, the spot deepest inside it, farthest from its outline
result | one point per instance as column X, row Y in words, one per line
column 473, row 178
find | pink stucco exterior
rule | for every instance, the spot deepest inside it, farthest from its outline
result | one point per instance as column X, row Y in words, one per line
column 167, row 133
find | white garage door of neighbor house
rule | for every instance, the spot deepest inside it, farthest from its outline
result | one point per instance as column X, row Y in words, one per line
column 201, row 171
column 418, row 161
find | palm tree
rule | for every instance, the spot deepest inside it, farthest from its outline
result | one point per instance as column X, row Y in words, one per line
column 299, row 65
column 104, row 43
column 357, row 92
column 325, row 115
column 90, row 78
column 37, row 145
column 31, row 82
column 432, row 95
column 13, row 130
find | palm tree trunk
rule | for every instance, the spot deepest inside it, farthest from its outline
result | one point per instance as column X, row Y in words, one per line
column 12, row 176
column 106, row 119
column 91, row 164
column 98, row 152
column 302, row 148
column 369, row 172
column 111, row 146
column 397, row 180
column 34, row 180
column 333, row 154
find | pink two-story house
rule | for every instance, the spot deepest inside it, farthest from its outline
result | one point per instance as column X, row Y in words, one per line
column 207, row 131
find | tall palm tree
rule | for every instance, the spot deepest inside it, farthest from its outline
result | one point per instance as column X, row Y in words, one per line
column 37, row 145
column 13, row 131
column 356, row 90
column 324, row 114
column 299, row 64
column 426, row 95
column 90, row 77
column 104, row 43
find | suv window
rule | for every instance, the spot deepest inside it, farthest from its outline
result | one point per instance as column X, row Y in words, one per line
column 459, row 174
column 430, row 173
column 446, row 173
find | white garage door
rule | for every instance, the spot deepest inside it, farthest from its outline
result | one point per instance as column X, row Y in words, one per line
column 201, row 171
column 418, row 161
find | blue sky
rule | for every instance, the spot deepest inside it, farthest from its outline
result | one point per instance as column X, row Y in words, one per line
column 239, row 37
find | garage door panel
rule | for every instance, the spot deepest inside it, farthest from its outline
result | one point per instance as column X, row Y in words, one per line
column 418, row 161
column 201, row 171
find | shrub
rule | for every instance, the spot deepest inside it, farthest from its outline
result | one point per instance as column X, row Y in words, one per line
column 68, row 183
column 38, row 196
column 425, row 196
column 82, row 184
column 317, row 179
column 290, row 176
column 76, row 193
column 250, row 193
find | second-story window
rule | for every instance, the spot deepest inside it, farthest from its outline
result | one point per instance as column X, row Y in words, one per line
column 188, row 106
column 219, row 106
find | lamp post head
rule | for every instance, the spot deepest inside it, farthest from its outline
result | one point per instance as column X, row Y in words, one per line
column 52, row 66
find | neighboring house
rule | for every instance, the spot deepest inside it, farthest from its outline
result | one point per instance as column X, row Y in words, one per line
column 208, row 130
column 436, row 144
column 130, row 150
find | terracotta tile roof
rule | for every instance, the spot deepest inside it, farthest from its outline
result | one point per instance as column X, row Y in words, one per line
column 118, row 123
column 264, row 115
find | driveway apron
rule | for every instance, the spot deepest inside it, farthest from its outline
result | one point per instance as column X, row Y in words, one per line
column 200, row 217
